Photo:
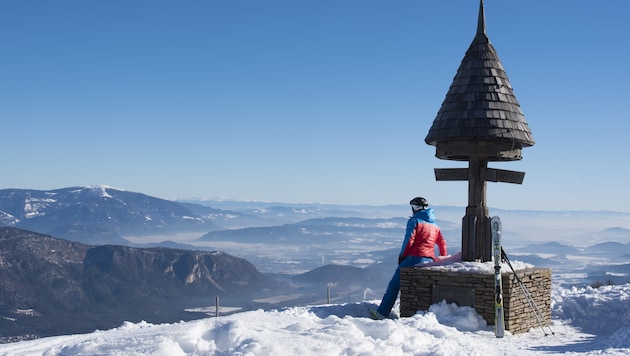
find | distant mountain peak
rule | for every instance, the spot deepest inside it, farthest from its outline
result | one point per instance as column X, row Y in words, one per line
column 617, row 229
column 97, row 214
column 100, row 190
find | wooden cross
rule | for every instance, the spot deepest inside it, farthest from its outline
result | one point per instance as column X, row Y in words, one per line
column 476, row 238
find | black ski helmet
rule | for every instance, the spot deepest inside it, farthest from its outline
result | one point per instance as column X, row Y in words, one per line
column 419, row 201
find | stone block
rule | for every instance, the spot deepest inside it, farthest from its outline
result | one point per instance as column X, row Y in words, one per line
column 420, row 287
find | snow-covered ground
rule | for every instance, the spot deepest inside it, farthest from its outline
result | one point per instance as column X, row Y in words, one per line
column 586, row 321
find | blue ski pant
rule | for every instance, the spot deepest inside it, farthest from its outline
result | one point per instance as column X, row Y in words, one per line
column 389, row 299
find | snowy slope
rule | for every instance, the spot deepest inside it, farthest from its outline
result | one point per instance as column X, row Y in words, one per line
column 586, row 321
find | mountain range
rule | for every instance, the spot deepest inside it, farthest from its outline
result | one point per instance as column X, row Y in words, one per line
column 81, row 258
column 98, row 214
column 51, row 286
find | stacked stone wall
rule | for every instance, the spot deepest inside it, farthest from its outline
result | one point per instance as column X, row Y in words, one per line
column 421, row 287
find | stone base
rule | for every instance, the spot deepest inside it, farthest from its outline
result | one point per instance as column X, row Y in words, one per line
column 421, row 287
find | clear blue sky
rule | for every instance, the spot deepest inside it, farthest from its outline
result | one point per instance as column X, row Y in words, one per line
column 306, row 101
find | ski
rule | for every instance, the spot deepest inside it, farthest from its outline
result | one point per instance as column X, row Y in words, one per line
column 499, row 320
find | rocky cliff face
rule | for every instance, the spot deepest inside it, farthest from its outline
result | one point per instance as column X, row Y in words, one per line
column 50, row 286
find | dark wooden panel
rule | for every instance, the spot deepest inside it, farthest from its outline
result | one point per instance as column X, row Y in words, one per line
column 489, row 175
column 448, row 174
column 504, row 176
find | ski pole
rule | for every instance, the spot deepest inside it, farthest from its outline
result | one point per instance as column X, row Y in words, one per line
column 528, row 297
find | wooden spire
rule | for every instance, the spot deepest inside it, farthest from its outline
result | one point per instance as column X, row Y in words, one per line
column 480, row 114
column 481, row 26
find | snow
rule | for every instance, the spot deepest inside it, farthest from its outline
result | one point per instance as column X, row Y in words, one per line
column 32, row 206
column 586, row 321
column 100, row 189
column 454, row 263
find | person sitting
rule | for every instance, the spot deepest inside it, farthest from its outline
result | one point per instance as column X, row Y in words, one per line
column 421, row 236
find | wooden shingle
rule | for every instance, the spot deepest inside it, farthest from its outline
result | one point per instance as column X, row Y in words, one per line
column 480, row 107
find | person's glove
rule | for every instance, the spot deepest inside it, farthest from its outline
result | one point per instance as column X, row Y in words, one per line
column 400, row 258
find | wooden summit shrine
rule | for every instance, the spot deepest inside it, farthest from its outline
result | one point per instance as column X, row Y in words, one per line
column 480, row 121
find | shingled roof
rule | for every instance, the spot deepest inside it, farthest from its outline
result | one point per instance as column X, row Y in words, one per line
column 480, row 108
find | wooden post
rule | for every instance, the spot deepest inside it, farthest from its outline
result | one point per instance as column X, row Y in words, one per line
column 476, row 245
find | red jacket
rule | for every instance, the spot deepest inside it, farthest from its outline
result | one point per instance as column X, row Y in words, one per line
column 422, row 235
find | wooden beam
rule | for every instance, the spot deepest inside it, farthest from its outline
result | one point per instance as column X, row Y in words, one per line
column 504, row 176
column 489, row 175
column 451, row 174
column 464, row 150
